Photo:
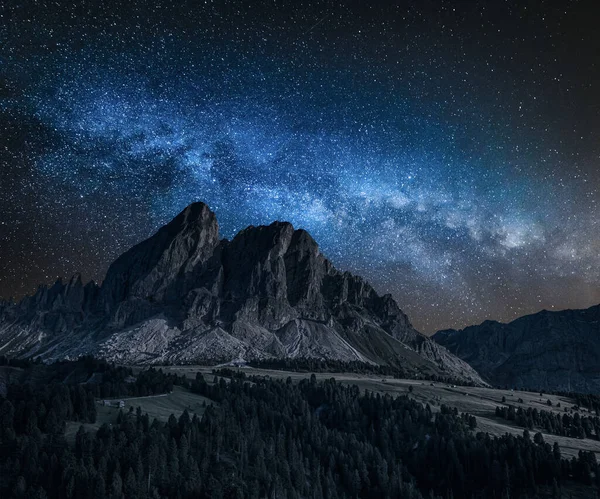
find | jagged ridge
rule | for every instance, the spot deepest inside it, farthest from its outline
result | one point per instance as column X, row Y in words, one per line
column 184, row 295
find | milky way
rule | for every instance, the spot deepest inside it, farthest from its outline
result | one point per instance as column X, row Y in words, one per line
column 447, row 151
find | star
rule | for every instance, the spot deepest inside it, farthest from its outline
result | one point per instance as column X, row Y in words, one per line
column 446, row 153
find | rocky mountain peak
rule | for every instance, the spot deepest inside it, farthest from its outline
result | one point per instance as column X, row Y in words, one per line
column 183, row 295
column 266, row 240
column 194, row 214
column 148, row 270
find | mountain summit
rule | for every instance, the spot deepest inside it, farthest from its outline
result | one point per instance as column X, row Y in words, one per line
column 184, row 295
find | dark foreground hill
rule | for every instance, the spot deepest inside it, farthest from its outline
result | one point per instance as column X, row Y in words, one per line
column 186, row 296
column 547, row 350
column 264, row 437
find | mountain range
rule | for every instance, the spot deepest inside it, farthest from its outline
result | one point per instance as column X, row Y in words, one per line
column 549, row 350
column 185, row 295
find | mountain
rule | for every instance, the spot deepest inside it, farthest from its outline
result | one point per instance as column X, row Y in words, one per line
column 547, row 350
column 184, row 295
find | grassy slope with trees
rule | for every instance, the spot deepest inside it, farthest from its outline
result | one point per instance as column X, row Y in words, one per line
column 267, row 438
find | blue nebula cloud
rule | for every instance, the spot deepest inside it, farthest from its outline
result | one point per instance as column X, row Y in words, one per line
column 416, row 175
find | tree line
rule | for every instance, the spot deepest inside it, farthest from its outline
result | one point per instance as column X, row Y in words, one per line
column 314, row 365
column 568, row 425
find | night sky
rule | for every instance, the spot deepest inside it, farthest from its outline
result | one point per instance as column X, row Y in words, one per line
column 447, row 151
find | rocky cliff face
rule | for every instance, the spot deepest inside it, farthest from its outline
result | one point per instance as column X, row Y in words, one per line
column 546, row 351
column 184, row 295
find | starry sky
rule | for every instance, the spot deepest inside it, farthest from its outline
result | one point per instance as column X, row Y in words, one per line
column 448, row 151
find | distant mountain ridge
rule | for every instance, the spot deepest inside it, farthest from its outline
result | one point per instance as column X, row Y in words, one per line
column 548, row 350
column 184, row 295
